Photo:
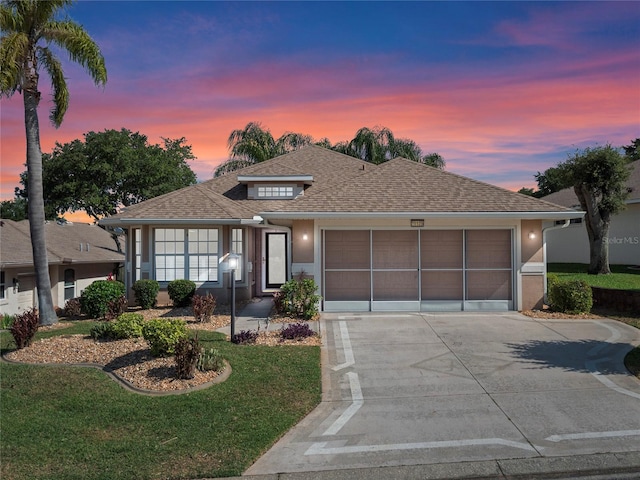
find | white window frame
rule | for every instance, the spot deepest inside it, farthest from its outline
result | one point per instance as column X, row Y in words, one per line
column 275, row 191
column 187, row 253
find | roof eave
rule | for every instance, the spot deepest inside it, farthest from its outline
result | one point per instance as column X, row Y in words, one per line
column 177, row 221
column 560, row 215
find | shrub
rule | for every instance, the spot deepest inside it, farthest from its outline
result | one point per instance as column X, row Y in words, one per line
column 203, row 307
column 102, row 331
column 245, row 337
column 5, row 321
column 187, row 355
column 298, row 298
column 72, row 308
column 210, row 360
column 128, row 325
column 181, row 292
column 95, row 299
column 296, row 331
column 146, row 293
column 116, row 307
column 573, row 296
column 552, row 280
column 162, row 334
column 24, row 327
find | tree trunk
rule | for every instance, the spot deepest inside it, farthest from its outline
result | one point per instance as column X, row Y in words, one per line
column 597, row 229
column 36, row 208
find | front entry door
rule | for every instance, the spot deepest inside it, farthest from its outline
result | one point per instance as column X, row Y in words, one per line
column 276, row 259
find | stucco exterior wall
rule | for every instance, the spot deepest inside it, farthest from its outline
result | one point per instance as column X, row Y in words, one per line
column 571, row 244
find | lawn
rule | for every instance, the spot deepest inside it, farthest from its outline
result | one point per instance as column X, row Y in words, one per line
column 621, row 278
column 76, row 423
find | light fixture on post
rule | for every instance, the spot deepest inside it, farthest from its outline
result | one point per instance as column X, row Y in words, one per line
column 233, row 262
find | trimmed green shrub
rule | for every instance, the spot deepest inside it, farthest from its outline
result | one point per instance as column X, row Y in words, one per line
column 573, row 296
column 203, row 307
column 552, row 280
column 102, row 331
column 181, row 292
column 297, row 298
column 163, row 334
column 146, row 293
column 95, row 299
column 128, row 325
column 24, row 327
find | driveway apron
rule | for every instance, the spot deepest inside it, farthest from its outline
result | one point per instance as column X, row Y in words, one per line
column 410, row 389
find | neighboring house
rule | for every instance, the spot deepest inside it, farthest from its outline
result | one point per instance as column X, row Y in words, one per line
column 395, row 236
column 78, row 254
column 571, row 244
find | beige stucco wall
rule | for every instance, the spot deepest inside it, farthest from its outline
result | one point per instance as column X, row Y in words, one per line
column 531, row 247
column 302, row 248
column 532, row 292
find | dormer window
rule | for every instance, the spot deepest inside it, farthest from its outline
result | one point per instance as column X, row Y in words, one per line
column 275, row 187
column 274, row 191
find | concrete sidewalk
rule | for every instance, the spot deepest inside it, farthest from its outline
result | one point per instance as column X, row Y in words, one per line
column 435, row 396
column 256, row 314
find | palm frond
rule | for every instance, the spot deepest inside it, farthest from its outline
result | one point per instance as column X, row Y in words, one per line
column 81, row 47
column 58, row 83
column 13, row 50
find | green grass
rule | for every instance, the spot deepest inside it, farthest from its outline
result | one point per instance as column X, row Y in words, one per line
column 76, row 423
column 621, row 278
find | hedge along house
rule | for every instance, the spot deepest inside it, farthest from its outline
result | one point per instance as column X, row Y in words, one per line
column 390, row 237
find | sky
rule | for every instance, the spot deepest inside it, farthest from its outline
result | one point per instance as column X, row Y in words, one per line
column 501, row 90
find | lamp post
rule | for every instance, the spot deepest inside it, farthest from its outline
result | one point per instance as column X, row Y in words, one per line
column 233, row 260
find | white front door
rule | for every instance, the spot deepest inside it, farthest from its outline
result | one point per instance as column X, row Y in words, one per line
column 275, row 271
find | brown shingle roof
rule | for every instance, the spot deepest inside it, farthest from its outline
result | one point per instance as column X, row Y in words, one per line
column 63, row 244
column 340, row 184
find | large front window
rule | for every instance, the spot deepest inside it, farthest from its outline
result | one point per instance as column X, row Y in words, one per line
column 186, row 253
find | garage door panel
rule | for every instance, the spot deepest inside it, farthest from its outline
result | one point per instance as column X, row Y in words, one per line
column 395, row 286
column 489, row 285
column 441, row 248
column 347, row 249
column 442, row 285
column 395, row 249
column 488, row 248
column 345, row 286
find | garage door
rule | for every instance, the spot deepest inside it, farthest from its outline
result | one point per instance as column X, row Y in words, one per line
column 417, row 270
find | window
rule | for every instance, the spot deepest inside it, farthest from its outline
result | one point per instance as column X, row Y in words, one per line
column 192, row 254
column 2, row 286
column 137, row 253
column 271, row 191
column 69, row 284
column 237, row 248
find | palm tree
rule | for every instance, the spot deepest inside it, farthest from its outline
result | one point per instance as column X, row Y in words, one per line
column 29, row 27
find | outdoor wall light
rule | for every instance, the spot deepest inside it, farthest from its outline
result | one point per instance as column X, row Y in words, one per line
column 305, row 236
column 532, row 235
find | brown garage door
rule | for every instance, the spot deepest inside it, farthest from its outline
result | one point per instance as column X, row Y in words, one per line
column 417, row 270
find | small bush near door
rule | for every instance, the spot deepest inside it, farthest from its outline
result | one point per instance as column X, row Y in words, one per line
column 146, row 293
column 181, row 292
column 573, row 296
column 298, row 298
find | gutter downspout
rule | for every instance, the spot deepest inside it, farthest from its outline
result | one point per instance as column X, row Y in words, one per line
column 566, row 223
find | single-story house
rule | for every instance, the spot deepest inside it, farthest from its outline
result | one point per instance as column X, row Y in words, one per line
column 571, row 244
column 78, row 254
column 394, row 236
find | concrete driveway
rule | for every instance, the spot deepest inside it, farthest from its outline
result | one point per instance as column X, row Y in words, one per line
column 427, row 389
